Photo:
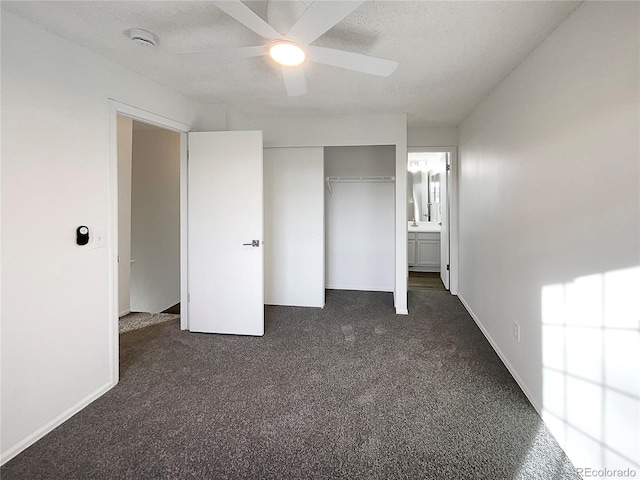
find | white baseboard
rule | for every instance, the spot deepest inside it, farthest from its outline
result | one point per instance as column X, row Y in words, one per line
column 435, row 269
column 60, row 419
column 360, row 288
column 175, row 302
column 123, row 313
column 303, row 305
column 503, row 357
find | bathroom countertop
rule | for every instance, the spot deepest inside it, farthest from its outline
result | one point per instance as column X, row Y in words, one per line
column 425, row 227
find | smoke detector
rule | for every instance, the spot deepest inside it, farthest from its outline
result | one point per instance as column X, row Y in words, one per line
column 142, row 37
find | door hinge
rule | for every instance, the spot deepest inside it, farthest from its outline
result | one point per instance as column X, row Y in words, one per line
column 447, row 267
column 448, row 167
column 188, row 297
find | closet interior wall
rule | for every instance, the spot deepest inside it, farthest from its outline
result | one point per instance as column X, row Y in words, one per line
column 360, row 218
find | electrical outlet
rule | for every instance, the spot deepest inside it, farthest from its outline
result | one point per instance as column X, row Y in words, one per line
column 516, row 331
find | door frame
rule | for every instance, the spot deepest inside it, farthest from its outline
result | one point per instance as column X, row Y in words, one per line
column 452, row 207
column 118, row 108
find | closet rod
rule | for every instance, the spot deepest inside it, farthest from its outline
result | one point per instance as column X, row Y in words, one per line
column 368, row 179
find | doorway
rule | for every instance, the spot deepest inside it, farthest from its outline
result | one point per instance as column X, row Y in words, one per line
column 133, row 113
column 148, row 224
column 432, row 262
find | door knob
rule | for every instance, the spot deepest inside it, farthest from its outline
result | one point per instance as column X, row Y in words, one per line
column 254, row 243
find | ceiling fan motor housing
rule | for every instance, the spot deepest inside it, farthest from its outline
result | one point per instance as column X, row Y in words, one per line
column 283, row 14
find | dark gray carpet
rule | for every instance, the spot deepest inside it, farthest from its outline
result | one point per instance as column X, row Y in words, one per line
column 352, row 391
column 136, row 320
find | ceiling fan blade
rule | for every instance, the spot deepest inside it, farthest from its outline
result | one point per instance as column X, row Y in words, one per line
column 295, row 81
column 352, row 61
column 320, row 17
column 246, row 16
column 228, row 54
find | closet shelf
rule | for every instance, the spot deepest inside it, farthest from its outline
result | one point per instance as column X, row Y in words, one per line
column 373, row 179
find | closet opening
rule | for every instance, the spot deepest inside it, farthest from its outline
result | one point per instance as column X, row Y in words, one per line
column 360, row 218
column 329, row 215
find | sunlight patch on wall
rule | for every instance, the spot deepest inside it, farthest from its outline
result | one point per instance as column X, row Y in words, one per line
column 591, row 368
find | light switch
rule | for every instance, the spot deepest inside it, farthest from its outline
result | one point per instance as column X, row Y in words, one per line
column 99, row 239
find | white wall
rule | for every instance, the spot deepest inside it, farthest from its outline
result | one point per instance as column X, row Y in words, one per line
column 155, row 220
column 377, row 161
column 549, row 230
column 57, row 309
column 294, row 226
column 125, row 149
column 359, row 220
column 348, row 131
column 432, row 137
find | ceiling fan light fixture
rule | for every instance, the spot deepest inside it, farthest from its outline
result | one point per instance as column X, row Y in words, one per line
column 287, row 53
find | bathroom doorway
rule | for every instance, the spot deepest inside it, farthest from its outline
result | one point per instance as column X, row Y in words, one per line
column 429, row 187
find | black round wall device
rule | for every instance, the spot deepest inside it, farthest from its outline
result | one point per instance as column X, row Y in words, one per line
column 82, row 235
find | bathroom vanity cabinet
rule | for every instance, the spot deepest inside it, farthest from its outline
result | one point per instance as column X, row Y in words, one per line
column 424, row 251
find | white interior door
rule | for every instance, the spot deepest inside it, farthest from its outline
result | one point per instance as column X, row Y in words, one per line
column 445, row 188
column 225, row 218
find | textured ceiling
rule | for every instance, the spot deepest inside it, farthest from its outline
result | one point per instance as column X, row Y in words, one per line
column 451, row 54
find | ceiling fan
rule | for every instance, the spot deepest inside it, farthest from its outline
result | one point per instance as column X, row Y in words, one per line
column 292, row 27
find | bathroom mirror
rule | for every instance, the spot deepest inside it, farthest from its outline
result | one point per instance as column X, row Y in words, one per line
column 424, row 177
